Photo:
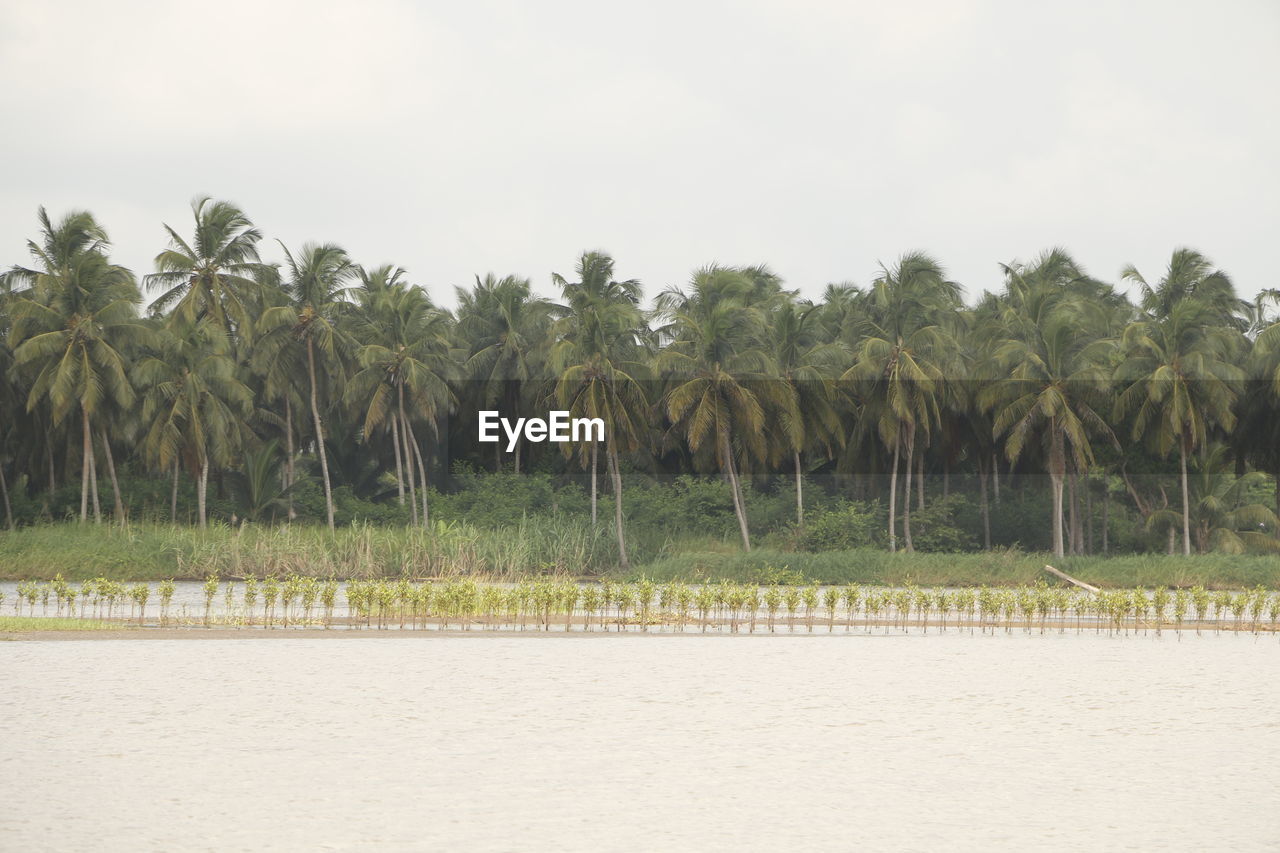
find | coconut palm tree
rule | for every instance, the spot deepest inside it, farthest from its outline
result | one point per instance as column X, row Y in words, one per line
column 506, row 331
column 71, row 323
column 1050, row 370
column 1221, row 518
column 807, row 365
column 316, row 289
column 598, row 360
column 405, row 357
column 1190, row 275
column 216, row 273
column 1179, row 382
column 904, row 344
column 716, row 363
column 194, row 404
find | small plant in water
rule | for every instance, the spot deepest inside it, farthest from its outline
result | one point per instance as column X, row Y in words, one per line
column 210, row 590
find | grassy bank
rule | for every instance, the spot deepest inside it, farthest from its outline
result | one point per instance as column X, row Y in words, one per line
column 999, row 568
column 550, row 546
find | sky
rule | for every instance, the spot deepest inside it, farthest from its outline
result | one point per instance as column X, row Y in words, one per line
column 821, row 138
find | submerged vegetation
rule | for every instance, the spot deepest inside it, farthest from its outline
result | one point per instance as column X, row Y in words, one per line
column 551, row 604
column 1054, row 413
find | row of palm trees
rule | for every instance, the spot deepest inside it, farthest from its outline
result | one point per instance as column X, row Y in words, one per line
column 237, row 360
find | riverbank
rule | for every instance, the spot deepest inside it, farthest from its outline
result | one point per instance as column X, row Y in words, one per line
column 150, row 552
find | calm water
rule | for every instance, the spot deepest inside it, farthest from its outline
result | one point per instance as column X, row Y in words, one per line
column 641, row 743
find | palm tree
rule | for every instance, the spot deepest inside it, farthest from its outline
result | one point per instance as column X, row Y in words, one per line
column 1221, row 520
column 257, row 486
column 194, row 403
column 216, row 273
column 316, row 292
column 1050, row 369
column 598, row 359
column 805, row 365
column 405, row 351
column 507, row 333
column 899, row 363
column 70, row 324
column 1180, row 381
column 717, row 353
column 1190, row 275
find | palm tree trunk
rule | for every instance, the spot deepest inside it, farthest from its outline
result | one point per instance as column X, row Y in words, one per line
column 1088, row 516
column 115, row 482
column 984, row 504
column 995, row 475
column 408, row 454
column 202, row 490
column 612, row 452
column 422, row 475
column 422, row 469
column 906, row 485
column 799, row 491
column 288, row 450
column 594, row 453
column 1186, row 502
column 893, row 494
column 4, row 490
column 53, row 475
column 1058, row 548
column 315, row 416
column 85, row 456
column 732, row 470
column 920, row 481
column 1057, row 470
column 395, row 444
column 1073, row 515
column 1106, row 517
column 173, row 495
column 91, row 462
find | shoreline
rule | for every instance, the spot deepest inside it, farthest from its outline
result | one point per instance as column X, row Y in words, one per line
column 863, row 629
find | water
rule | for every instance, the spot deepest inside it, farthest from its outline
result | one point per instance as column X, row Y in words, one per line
column 631, row 742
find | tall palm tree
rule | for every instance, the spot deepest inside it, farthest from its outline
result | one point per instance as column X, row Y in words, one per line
column 216, row 273
column 806, row 365
column 598, row 359
column 1222, row 518
column 405, row 353
column 717, row 356
column 77, row 313
column 194, row 404
column 1190, row 275
column 1051, row 370
column 506, row 330
column 899, row 363
column 1179, row 382
column 316, row 289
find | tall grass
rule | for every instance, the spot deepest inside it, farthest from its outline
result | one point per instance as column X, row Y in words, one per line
column 997, row 568
column 559, row 545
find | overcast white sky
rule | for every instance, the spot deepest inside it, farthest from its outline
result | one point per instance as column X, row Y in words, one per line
column 820, row 137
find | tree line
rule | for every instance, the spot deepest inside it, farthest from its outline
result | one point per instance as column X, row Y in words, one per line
column 258, row 371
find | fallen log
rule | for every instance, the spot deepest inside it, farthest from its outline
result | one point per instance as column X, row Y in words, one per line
column 1066, row 577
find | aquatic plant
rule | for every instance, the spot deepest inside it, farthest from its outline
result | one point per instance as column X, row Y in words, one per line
column 140, row 592
column 210, row 590
column 167, row 588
